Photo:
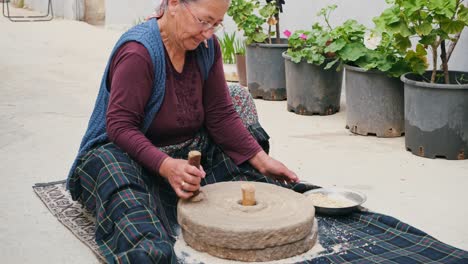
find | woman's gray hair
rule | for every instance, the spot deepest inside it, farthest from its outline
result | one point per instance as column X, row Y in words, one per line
column 162, row 7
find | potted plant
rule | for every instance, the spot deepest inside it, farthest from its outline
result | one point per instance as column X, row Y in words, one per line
column 313, row 82
column 239, row 49
column 436, row 101
column 374, row 92
column 227, row 45
column 233, row 52
column 259, row 21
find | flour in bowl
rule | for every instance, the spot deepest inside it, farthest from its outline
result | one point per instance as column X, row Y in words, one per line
column 330, row 201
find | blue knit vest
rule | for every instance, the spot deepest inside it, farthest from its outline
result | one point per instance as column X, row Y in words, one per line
column 148, row 35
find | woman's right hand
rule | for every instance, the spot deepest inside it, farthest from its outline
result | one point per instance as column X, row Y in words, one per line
column 184, row 178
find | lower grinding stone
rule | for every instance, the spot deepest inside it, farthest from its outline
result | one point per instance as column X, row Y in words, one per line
column 265, row 254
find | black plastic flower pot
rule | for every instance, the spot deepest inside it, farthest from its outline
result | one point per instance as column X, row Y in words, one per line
column 311, row 89
column 374, row 103
column 265, row 70
column 436, row 116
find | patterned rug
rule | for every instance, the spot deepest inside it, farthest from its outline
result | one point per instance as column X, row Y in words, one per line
column 362, row 237
column 70, row 213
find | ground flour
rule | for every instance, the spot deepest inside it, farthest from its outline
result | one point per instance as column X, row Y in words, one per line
column 330, row 201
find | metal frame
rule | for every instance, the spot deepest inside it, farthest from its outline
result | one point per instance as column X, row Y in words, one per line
column 47, row 17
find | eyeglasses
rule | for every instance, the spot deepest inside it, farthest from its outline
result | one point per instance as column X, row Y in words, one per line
column 205, row 25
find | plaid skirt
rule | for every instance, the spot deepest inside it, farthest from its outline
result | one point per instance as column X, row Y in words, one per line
column 136, row 211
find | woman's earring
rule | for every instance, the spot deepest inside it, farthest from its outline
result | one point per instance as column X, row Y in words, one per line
column 206, row 43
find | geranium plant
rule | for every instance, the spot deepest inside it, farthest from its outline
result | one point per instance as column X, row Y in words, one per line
column 310, row 45
column 437, row 24
column 375, row 50
column 350, row 43
column 257, row 18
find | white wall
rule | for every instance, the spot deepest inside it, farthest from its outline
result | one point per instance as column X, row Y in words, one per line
column 459, row 59
column 121, row 14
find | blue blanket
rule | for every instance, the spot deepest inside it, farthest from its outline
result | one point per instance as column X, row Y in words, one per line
column 375, row 238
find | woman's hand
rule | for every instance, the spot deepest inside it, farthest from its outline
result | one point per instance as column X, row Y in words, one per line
column 270, row 167
column 183, row 177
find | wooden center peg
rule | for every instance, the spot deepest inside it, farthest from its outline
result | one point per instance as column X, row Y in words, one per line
column 248, row 194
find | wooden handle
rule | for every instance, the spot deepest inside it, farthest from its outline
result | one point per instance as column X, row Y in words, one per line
column 248, row 194
column 194, row 158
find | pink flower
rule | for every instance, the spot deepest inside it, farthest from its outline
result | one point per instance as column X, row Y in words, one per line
column 287, row 33
column 303, row 36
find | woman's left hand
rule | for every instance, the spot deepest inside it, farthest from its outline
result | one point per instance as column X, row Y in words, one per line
column 270, row 167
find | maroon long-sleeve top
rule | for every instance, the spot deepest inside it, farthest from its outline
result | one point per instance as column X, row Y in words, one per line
column 189, row 103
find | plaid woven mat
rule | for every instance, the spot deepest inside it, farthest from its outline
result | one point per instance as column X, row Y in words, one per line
column 367, row 237
column 362, row 237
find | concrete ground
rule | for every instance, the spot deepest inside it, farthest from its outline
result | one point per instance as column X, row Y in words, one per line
column 49, row 76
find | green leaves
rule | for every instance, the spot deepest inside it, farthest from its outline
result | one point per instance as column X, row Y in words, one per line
column 463, row 14
column 428, row 40
column 331, row 63
column 442, row 7
column 402, row 43
column 313, row 46
column 417, row 59
column 452, row 27
column 227, row 42
column 400, row 28
column 268, row 10
column 259, row 37
column 296, row 57
column 353, row 51
column 251, row 16
column 389, row 16
column 427, row 21
column 303, row 46
column 324, row 44
column 411, row 6
column 336, row 45
column 424, row 18
column 315, row 58
column 424, row 28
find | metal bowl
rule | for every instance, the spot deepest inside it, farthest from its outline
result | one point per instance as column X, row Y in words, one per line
column 354, row 196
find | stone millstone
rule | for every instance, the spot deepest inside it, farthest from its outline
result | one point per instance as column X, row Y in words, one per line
column 281, row 220
column 265, row 254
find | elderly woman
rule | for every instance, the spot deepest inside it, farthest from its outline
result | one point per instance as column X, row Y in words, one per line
column 163, row 94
